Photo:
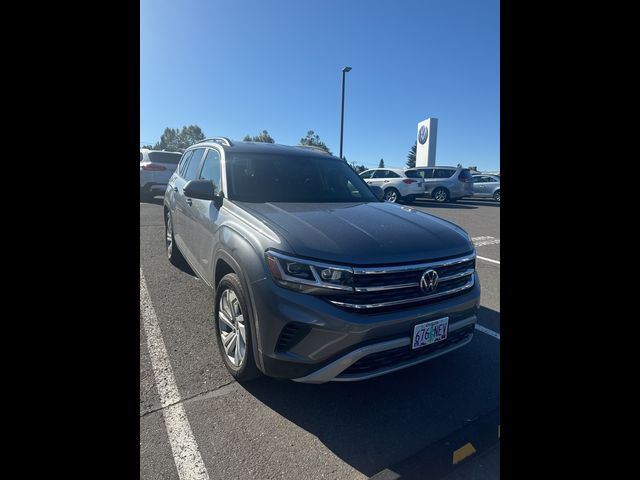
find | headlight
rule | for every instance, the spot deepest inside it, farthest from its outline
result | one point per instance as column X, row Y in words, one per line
column 308, row 276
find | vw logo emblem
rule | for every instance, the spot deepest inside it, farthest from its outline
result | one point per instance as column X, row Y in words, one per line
column 429, row 281
column 422, row 134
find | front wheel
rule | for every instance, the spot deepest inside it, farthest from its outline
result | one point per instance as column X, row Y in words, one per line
column 233, row 329
column 496, row 196
column 392, row 195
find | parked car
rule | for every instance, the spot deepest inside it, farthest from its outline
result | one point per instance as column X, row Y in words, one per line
column 156, row 168
column 314, row 277
column 397, row 187
column 443, row 184
column 486, row 186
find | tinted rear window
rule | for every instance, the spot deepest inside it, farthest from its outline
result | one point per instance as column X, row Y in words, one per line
column 165, row 157
column 413, row 174
column 465, row 175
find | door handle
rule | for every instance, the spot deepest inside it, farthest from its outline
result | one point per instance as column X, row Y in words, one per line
column 386, row 181
column 175, row 189
column 189, row 201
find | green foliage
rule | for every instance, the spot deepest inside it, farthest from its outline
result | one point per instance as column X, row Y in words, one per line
column 411, row 157
column 264, row 137
column 175, row 140
column 313, row 139
column 357, row 168
column 381, row 164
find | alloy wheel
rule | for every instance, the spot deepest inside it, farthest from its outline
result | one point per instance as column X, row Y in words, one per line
column 232, row 327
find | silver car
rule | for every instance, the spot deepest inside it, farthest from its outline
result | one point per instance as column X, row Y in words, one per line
column 444, row 184
column 156, row 168
column 396, row 185
column 486, row 186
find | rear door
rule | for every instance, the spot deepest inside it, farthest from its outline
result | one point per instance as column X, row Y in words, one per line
column 378, row 177
column 427, row 173
column 184, row 210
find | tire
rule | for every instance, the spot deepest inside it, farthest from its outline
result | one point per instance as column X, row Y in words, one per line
column 496, row 196
column 231, row 301
column 173, row 252
column 440, row 195
column 392, row 195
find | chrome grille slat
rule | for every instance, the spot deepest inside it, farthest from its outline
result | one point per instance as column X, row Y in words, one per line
column 407, row 268
column 387, row 287
column 420, row 298
column 410, row 285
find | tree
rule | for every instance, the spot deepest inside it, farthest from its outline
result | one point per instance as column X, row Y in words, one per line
column 381, row 164
column 357, row 168
column 178, row 140
column 313, row 139
column 148, row 147
column 264, row 137
column 411, row 157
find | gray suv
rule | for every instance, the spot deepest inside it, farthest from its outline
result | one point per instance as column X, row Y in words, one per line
column 444, row 184
column 313, row 280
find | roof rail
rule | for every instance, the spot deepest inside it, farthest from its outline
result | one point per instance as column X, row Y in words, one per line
column 221, row 140
column 314, row 147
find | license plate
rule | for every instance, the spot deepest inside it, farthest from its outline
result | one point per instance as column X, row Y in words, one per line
column 430, row 332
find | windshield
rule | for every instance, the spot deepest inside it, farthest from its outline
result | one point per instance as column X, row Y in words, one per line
column 264, row 178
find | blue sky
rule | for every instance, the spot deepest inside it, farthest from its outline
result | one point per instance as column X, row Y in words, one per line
column 236, row 67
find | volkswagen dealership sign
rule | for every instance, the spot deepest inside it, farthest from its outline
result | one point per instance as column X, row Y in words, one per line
column 426, row 147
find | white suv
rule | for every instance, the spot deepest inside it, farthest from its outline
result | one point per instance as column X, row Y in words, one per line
column 395, row 184
column 156, row 168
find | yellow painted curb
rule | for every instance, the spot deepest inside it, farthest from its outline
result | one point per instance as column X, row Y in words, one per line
column 463, row 452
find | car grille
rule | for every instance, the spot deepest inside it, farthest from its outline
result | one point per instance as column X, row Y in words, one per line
column 380, row 289
column 390, row 358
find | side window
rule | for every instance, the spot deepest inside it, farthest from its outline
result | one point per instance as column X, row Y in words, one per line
column 366, row 174
column 183, row 163
column 413, row 174
column 491, row 179
column 379, row 174
column 211, row 168
column 427, row 173
column 194, row 165
column 478, row 179
column 443, row 173
column 391, row 174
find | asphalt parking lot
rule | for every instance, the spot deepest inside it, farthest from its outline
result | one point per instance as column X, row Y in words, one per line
column 270, row 429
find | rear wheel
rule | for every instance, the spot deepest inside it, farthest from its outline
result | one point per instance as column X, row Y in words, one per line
column 173, row 253
column 440, row 195
column 496, row 196
column 233, row 329
column 392, row 195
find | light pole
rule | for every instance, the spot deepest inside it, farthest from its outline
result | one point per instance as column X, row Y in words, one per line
column 344, row 70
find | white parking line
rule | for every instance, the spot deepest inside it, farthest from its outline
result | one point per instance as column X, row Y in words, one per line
column 486, row 240
column 183, row 445
column 482, row 329
column 488, row 259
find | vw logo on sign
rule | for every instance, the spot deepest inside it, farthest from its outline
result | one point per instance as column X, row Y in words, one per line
column 429, row 281
column 422, row 134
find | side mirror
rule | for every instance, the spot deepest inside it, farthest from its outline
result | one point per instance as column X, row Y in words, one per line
column 377, row 191
column 203, row 190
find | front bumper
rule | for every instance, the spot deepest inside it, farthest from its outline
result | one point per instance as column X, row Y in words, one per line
column 335, row 341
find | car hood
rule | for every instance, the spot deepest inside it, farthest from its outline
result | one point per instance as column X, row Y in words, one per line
column 362, row 233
